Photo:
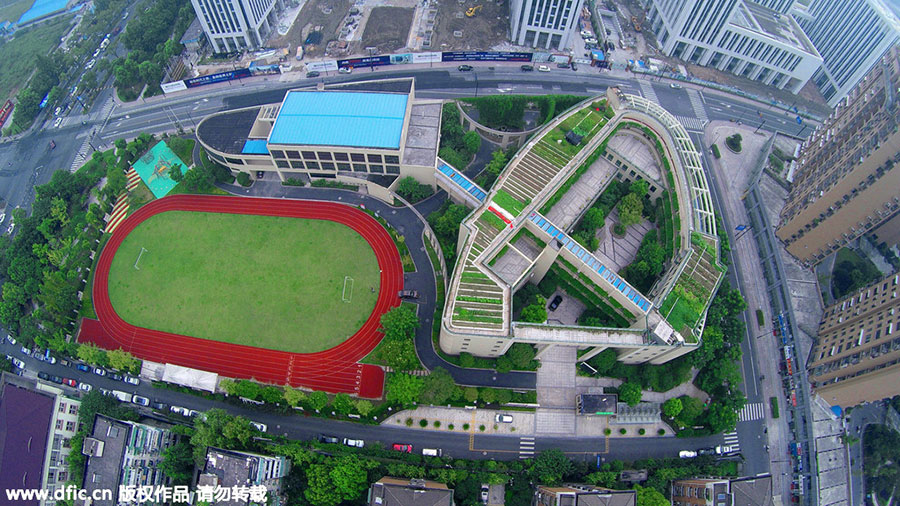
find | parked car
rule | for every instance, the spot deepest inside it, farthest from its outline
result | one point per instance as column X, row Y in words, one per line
column 10, row 339
column 70, row 382
column 311, row 74
column 65, row 363
column 259, row 426
column 39, row 357
column 687, row 454
column 405, row 448
column 26, row 351
column 356, row 443
column 85, row 387
column 260, row 174
column 83, row 368
column 140, row 401
column 131, row 380
column 57, row 122
column 116, row 377
column 465, row 68
column 99, row 371
column 501, row 418
column 193, row 413
column 178, row 410
column 156, row 404
column 345, row 70
column 527, row 68
column 44, row 376
column 562, row 65
column 484, row 493
column 50, row 359
column 555, row 303
column 56, row 379
column 543, row 68
column 324, row 438
column 17, row 363
column 675, row 86
column 408, row 294
column 431, row 452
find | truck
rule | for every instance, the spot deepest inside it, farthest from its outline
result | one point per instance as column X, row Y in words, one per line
column 299, row 53
column 122, row 396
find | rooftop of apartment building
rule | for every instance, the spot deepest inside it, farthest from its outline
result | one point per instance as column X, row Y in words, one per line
column 105, row 449
column 24, row 434
column 583, row 495
column 781, row 27
column 748, row 491
column 390, row 491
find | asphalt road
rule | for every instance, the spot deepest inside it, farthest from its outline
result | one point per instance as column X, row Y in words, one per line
column 859, row 418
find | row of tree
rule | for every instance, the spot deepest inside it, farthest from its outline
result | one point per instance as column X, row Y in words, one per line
column 457, row 147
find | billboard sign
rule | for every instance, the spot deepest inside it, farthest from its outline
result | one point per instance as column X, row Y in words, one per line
column 433, row 57
column 322, row 66
column 260, row 70
column 485, row 56
column 217, row 78
column 368, row 61
column 173, row 86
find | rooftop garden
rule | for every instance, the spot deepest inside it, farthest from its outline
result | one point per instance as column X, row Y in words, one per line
column 585, row 123
column 509, row 203
column 507, row 112
column 693, row 289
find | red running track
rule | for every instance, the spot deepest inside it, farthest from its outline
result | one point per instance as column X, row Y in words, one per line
column 333, row 370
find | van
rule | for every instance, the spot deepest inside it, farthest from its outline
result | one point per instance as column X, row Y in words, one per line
column 431, row 452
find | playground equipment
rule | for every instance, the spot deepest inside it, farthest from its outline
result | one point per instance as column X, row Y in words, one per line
column 470, row 12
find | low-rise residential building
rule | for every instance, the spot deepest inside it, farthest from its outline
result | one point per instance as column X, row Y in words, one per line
column 583, row 495
column 856, row 356
column 38, row 420
column 123, row 454
column 226, row 469
column 390, row 491
column 750, row 491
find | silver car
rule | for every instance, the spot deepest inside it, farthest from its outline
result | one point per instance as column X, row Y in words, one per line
column 140, row 401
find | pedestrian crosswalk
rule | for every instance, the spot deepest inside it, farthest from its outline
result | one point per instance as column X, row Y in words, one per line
column 647, row 90
column 692, row 124
column 731, row 439
column 526, row 447
column 698, row 105
column 82, row 155
column 752, row 411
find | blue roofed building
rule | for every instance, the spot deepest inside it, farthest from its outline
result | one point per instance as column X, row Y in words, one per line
column 370, row 132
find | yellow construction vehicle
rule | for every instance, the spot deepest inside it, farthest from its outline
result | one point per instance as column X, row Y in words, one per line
column 470, row 12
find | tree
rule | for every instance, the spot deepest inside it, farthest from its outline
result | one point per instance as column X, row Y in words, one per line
column 412, row 190
column 535, row 313
column 640, row 187
column 272, row 394
column 720, row 418
column 497, row 163
column 488, row 395
column 593, row 219
column 317, row 400
column 403, row 388
column 439, row 387
column 338, row 480
column 470, row 394
column 175, row 173
column 364, row 407
column 92, row 355
column 229, row 386
column 293, row 396
column 691, row 409
column 218, row 428
column 5, row 365
column 123, row 361
column 342, row 404
column 178, row 462
column 89, row 80
column 630, row 209
column 197, row 179
column 551, row 466
column 647, row 496
column 521, row 355
column 472, row 142
column 248, row 389
column 398, row 354
column 672, row 407
column 399, row 322
column 630, row 393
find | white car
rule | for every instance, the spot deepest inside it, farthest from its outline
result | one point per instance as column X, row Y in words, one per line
column 50, row 359
column 193, row 413
column 57, row 122
column 85, row 387
column 687, row 454
column 26, row 351
column 99, row 371
column 16, row 362
column 675, row 86
column 91, row 64
column 356, row 443
column 140, row 401
column 543, row 68
column 11, row 339
column 722, row 450
column 259, row 426
column 345, row 70
column 131, row 380
column 178, row 410
column 503, row 418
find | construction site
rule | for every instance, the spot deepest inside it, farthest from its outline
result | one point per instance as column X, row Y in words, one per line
column 469, row 25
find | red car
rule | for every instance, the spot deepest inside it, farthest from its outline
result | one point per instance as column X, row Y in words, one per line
column 403, row 448
column 72, row 383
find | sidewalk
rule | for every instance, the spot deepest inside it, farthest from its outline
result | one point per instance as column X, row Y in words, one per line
column 522, row 424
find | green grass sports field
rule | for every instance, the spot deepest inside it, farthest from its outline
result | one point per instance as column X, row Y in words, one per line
column 270, row 282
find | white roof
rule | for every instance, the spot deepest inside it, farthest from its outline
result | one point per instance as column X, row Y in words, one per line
column 179, row 375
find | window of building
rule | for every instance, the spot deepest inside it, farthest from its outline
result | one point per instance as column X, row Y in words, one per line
column 235, row 161
column 277, row 153
column 283, row 164
column 70, row 426
column 341, row 157
column 309, row 155
column 59, row 424
column 393, row 169
column 293, row 154
column 312, row 166
column 357, row 157
column 324, row 155
column 391, row 159
column 328, row 165
column 378, row 169
column 62, row 407
column 296, row 164
column 359, row 167
column 374, row 158
column 73, row 409
column 343, row 166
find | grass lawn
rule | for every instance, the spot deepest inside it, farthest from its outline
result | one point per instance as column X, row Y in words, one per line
column 586, row 122
column 511, row 204
column 262, row 281
column 184, row 148
column 18, row 55
column 12, row 10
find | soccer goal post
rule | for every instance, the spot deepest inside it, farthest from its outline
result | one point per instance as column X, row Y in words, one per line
column 139, row 258
column 347, row 294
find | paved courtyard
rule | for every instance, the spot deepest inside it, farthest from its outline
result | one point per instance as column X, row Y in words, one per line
column 556, row 391
column 570, row 207
column 618, row 252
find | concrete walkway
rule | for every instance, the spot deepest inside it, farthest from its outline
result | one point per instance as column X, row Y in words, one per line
column 522, row 424
column 686, row 388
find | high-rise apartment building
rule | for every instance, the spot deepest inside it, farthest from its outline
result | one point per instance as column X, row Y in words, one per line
column 847, row 180
column 856, row 357
column 747, row 39
column 851, row 36
column 235, row 25
column 544, row 24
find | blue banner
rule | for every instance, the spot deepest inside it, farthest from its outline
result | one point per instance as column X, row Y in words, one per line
column 485, row 56
column 217, row 78
column 369, row 61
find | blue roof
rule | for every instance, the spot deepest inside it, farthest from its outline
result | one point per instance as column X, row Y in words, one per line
column 255, row 147
column 42, row 8
column 340, row 118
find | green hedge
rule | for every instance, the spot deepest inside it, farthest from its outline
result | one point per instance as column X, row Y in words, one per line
column 773, row 403
column 715, row 151
column 760, row 318
column 493, row 220
column 483, row 300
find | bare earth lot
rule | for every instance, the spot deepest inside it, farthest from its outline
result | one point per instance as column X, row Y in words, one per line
column 311, row 16
column 487, row 29
column 388, row 28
